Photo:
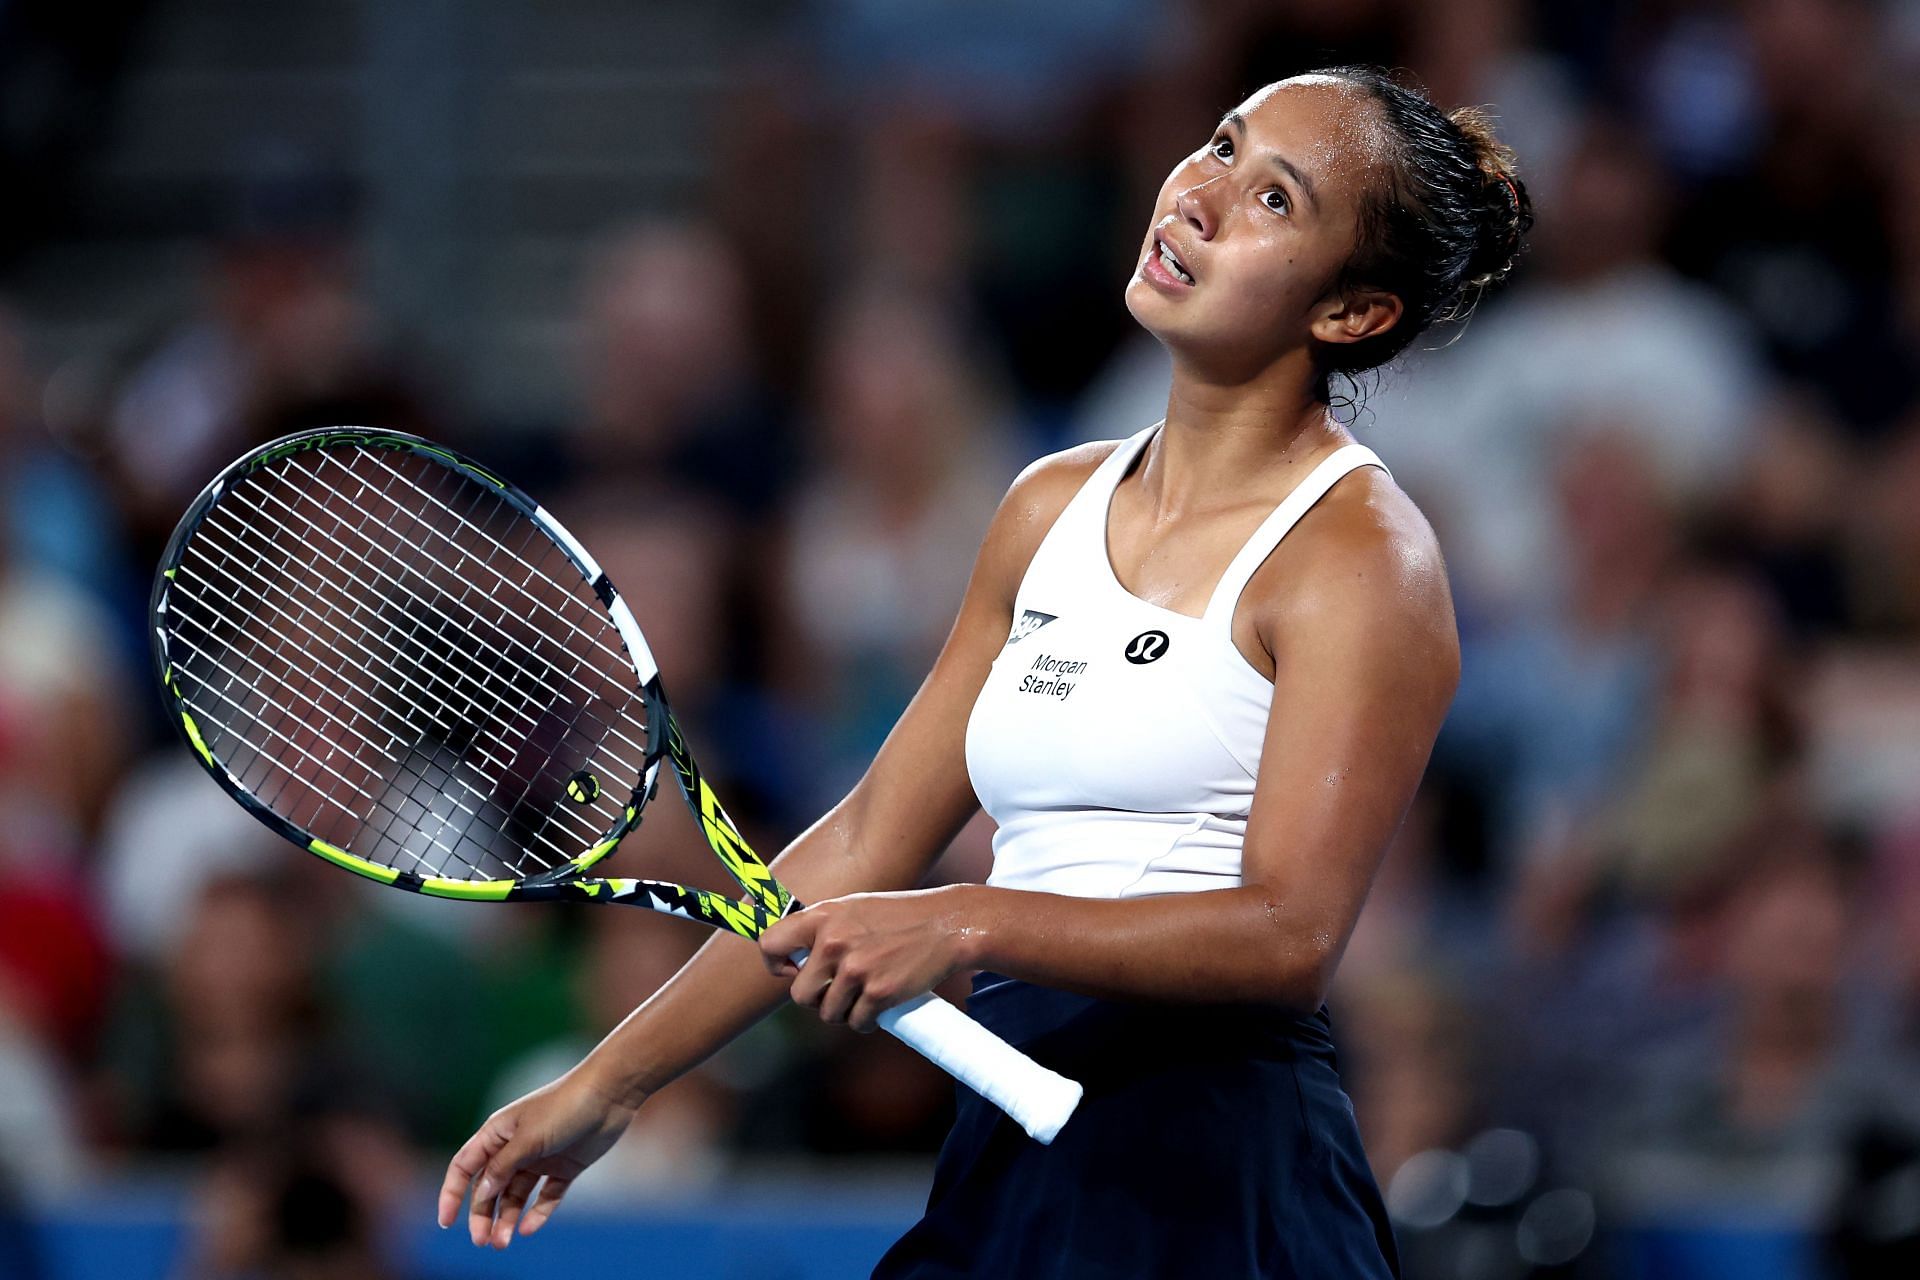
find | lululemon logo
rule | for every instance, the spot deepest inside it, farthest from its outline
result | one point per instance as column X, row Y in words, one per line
column 1148, row 646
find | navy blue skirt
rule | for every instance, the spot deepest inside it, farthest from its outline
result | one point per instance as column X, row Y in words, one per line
column 1213, row 1141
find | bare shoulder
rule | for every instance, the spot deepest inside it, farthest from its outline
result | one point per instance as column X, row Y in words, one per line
column 1039, row 494
column 1364, row 558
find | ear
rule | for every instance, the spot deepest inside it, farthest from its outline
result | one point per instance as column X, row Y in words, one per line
column 1357, row 314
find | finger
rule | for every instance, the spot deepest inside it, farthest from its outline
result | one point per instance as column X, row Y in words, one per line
column 865, row 1015
column 512, row 1201
column 812, row 982
column 545, row 1201
column 467, row 1164
column 837, row 1001
column 480, row 1217
column 487, row 1192
column 786, row 936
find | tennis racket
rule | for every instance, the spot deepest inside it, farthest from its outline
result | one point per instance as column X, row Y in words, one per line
column 404, row 665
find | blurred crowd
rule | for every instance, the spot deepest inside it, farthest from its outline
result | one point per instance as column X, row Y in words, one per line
column 1647, row 948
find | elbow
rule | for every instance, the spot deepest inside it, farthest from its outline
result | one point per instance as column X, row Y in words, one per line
column 1297, row 961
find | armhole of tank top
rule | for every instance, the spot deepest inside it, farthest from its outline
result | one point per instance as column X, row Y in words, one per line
column 1225, row 600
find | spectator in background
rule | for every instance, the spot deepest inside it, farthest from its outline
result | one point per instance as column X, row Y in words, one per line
column 1883, row 542
column 300, row 1206
column 880, row 536
column 1862, row 692
column 1612, row 930
column 42, row 1156
column 1601, row 331
column 1896, row 894
column 1554, row 703
column 62, row 693
column 64, row 684
column 234, row 1038
column 1765, row 1096
column 282, row 339
column 168, row 831
column 1723, row 739
column 673, row 393
column 57, row 518
column 1797, row 231
column 1785, row 516
column 174, row 844
column 54, row 960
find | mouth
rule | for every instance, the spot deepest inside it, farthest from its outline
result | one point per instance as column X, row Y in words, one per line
column 1170, row 260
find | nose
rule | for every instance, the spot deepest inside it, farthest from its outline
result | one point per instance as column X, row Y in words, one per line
column 1194, row 205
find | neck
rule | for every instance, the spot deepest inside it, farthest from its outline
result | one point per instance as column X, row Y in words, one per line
column 1225, row 443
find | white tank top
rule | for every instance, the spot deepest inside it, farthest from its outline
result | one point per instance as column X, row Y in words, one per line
column 1115, row 742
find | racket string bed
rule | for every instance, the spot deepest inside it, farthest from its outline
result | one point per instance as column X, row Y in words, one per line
column 366, row 560
column 592, row 638
column 363, row 691
column 262, row 755
column 499, row 652
column 622, row 691
column 569, row 574
column 306, row 616
column 469, row 711
column 625, row 692
column 639, row 746
column 393, row 739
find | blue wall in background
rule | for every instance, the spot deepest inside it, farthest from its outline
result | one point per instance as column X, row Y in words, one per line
column 793, row 1231
column 752, row 1237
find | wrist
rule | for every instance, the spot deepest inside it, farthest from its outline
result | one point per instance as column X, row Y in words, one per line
column 619, row 1082
column 972, row 926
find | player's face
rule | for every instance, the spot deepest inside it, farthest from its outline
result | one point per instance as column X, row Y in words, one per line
column 1259, row 222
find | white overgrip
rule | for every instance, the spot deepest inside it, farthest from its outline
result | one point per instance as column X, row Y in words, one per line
column 1038, row 1099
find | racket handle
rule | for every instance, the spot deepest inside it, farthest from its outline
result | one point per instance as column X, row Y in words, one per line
column 1038, row 1099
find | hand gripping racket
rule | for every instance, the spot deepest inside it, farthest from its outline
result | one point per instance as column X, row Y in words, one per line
column 401, row 663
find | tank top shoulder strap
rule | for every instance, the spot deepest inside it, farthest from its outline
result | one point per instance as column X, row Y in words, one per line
column 1226, row 594
column 1085, row 515
column 1106, row 477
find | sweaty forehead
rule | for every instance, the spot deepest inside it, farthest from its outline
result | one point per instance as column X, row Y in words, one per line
column 1330, row 127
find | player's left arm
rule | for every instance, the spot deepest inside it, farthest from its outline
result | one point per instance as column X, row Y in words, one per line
column 1366, row 658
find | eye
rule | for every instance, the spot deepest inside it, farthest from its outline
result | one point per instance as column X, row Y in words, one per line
column 1221, row 148
column 1276, row 200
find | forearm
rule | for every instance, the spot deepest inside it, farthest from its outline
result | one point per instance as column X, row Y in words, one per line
column 724, row 989
column 1225, row 945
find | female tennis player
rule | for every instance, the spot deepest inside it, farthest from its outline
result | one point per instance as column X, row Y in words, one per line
column 1195, row 679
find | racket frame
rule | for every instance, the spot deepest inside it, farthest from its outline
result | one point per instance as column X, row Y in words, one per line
column 766, row 901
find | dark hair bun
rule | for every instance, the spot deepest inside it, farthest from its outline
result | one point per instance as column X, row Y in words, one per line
column 1505, row 211
column 1443, row 227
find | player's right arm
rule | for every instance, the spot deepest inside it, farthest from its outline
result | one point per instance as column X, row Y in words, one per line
column 884, row 835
